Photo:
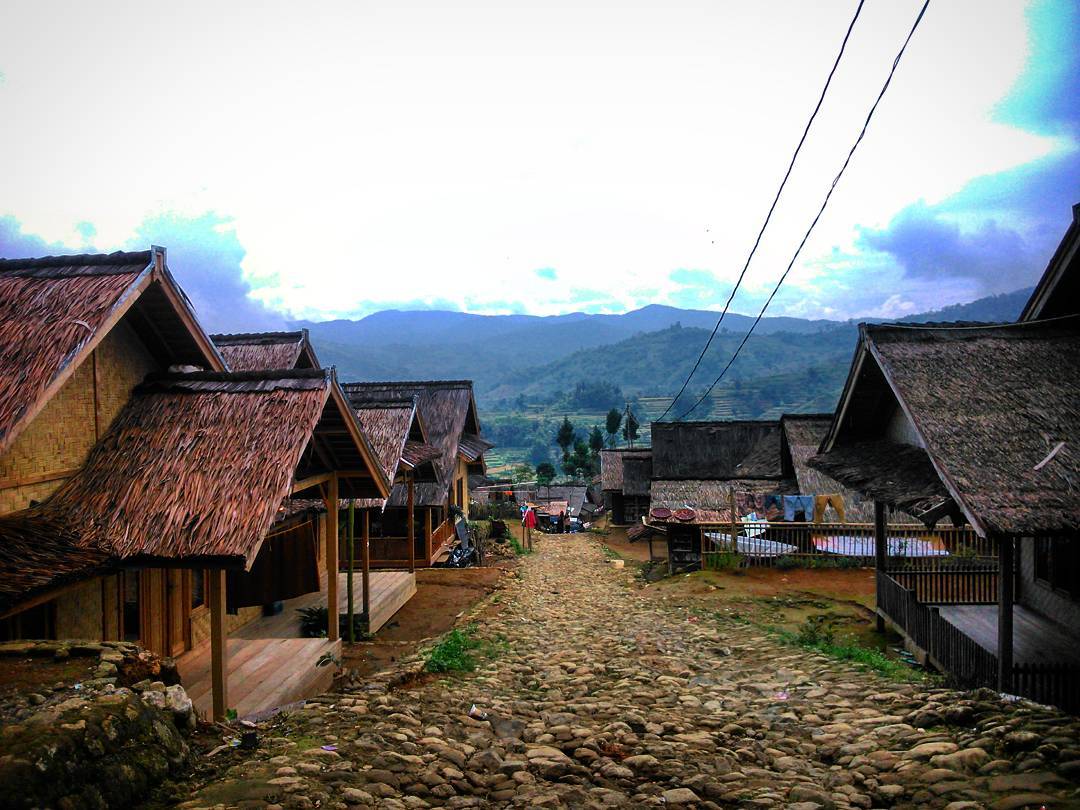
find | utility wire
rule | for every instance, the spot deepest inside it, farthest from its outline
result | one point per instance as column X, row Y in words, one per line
column 776, row 199
column 821, row 210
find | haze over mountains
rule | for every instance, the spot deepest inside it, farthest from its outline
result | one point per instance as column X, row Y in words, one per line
column 645, row 351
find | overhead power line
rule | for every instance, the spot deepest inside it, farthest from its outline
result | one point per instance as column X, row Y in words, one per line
column 768, row 216
column 821, row 210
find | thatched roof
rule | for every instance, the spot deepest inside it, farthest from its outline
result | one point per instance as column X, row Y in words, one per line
column 710, row 500
column 195, row 468
column 1058, row 291
column 262, row 351
column 612, row 468
column 472, row 447
column 995, row 408
column 802, row 436
column 55, row 310
column 397, row 435
column 716, row 450
column 448, row 410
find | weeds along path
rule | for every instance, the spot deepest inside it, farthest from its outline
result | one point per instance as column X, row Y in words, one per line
column 588, row 694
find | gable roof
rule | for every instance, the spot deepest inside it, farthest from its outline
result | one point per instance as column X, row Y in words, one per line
column 995, row 408
column 261, row 351
column 449, row 412
column 802, row 435
column 1058, row 291
column 613, row 467
column 194, row 468
column 716, row 450
column 55, row 310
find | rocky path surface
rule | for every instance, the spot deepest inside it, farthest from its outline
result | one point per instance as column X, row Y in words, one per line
column 598, row 696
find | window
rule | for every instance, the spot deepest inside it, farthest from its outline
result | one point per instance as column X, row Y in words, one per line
column 132, row 613
column 1057, row 564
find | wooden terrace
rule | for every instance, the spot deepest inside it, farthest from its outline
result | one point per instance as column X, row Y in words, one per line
column 270, row 665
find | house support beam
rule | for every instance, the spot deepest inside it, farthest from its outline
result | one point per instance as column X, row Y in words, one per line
column 365, row 563
column 1006, row 593
column 219, row 664
column 427, row 534
column 411, row 504
column 333, row 632
column 880, row 555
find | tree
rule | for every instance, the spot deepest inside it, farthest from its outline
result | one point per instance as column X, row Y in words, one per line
column 614, row 422
column 630, row 429
column 545, row 474
column 581, row 459
column 523, row 472
column 596, row 439
column 565, row 437
column 539, row 453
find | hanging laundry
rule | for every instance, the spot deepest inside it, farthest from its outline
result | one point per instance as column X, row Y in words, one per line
column 795, row 504
column 821, row 502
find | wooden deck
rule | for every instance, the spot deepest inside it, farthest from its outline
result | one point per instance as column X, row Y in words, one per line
column 270, row 665
column 1036, row 639
column 264, row 673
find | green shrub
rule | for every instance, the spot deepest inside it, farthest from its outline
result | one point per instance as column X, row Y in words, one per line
column 313, row 623
column 519, row 549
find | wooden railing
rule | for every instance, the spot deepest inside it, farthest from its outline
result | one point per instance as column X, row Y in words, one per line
column 441, row 536
column 1055, row 684
column 948, row 647
column 950, row 586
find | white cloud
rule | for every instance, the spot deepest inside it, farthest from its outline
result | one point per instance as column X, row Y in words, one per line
column 395, row 151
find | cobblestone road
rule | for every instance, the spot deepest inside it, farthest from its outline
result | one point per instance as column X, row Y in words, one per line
column 598, row 696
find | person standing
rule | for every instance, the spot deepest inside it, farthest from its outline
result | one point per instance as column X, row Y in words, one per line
column 529, row 524
column 562, row 522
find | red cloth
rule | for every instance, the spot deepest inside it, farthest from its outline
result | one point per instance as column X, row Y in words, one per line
column 530, row 519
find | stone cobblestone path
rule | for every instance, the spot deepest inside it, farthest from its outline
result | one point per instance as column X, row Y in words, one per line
column 599, row 696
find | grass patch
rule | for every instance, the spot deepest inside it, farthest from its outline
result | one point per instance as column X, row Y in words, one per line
column 610, row 553
column 818, row 636
column 518, row 549
column 460, row 651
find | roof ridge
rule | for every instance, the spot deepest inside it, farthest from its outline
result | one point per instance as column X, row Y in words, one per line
column 967, row 326
column 238, row 376
column 249, row 337
column 118, row 257
column 442, row 383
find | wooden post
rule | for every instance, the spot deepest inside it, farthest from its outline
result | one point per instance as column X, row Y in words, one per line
column 880, row 549
column 219, row 659
column 1005, row 613
column 365, row 562
column 333, row 618
column 350, row 554
column 734, row 521
column 411, row 531
column 701, row 546
column 427, row 532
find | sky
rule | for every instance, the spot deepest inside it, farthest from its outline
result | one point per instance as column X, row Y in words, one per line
column 329, row 160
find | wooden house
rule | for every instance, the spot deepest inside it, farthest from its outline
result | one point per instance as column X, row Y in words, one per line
column 978, row 423
column 261, row 351
column 451, row 425
column 625, row 477
column 701, row 470
column 135, row 486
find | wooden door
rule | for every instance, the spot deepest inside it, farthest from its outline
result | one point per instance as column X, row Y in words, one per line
column 152, row 634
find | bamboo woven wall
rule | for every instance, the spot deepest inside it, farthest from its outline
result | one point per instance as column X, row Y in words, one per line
column 79, row 612
column 59, row 439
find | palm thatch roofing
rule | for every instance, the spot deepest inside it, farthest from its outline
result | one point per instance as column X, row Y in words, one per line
column 802, row 436
column 710, row 500
column 194, row 470
column 1058, row 291
column 612, row 467
column 263, row 351
column 397, row 435
column 704, row 451
column 995, row 409
column 472, row 447
column 449, row 413
column 55, row 310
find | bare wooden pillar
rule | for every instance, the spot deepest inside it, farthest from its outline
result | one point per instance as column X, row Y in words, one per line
column 880, row 549
column 219, row 659
column 333, row 620
column 1005, row 613
column 427, row 532
column 365, row 562
column 411, row 531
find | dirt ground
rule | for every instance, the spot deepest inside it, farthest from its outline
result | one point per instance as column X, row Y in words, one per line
column 442, row 594
column 843, row 598
column 22, row 675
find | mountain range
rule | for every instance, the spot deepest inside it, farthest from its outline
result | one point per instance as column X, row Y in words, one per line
column 643, row 352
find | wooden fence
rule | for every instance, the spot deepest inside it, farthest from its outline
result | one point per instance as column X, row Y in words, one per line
column 909, row 546
column 950, row 586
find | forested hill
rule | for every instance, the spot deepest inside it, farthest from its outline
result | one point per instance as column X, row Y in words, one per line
column 644, row 352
